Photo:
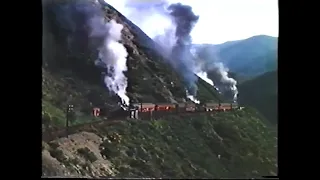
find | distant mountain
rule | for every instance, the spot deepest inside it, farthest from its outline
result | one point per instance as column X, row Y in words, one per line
column 262, row 94
column 248, row 58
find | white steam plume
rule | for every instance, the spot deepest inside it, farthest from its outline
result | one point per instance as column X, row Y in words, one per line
column 113, row 54
column 80, row 26
column 226, row 80
column 192, row 98
column 203, row 75
column 220, row 73
column 145, row 14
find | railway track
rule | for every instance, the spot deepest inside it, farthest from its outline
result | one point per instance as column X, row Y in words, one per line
column 51, row 134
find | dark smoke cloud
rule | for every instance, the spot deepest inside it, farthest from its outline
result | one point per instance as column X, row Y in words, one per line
column 181, row 56
column 170, row 27
column 185, row 20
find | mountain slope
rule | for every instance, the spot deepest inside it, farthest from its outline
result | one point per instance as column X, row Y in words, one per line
column 249, row 57
column 262, row 94
column 70, row 75
column 227, row 145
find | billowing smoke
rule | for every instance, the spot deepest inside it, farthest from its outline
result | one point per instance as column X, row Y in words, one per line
column 82, row 22
column 203, row 75
column 171, row 31
column 220, row 79
column 113, row 54
column 219, row 73
column 181, row 56
column 227, row 83
column 170, row 25
column 192, row 98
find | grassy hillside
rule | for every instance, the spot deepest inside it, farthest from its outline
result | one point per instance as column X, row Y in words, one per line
column 249, row 57
column 262, row 94
column 70, row 76
column 234, row 145
column 230, row 144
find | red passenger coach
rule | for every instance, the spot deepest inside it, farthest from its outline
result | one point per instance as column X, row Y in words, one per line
column 146, row 107
column 165, row 107
column 96, row 112
column 225, row 106
column 212, row 106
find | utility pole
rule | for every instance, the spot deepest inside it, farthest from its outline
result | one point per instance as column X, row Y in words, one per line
column 68, row 114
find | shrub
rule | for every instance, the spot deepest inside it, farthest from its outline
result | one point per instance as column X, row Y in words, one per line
column 87, row 154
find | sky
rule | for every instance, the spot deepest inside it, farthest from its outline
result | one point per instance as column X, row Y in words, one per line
column 228, row 20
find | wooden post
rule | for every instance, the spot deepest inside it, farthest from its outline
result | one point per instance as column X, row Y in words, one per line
column 142, row 117
column 69, row 111
column 136, row 113
column 141, row 106
column 150, row 114
column 67, row 125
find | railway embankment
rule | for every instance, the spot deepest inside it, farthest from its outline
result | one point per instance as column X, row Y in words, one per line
column 228, row 144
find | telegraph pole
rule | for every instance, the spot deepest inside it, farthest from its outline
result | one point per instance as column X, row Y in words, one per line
column 69, row 112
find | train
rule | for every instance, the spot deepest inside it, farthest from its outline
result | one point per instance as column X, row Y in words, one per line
column 185, row 107
column 156, row 110
column 153, row 110
column 142, row 111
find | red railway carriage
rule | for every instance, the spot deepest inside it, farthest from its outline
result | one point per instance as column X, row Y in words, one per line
column 145, row 107
column 96, row 112
column 180, row 107
column 225, row 106
column 186, row 107
column 212, row 106
column 190, row 107
column 165, row 107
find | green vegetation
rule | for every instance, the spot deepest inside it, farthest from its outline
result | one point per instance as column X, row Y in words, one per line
column 262, row 94
column 247, row 58
column 70, row 77
column 191, row 147
column 57, row 153
column 229, row 144
column 225, row 145
column 87, row 154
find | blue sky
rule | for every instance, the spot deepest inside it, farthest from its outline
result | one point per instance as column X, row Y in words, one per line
column 227, row 20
